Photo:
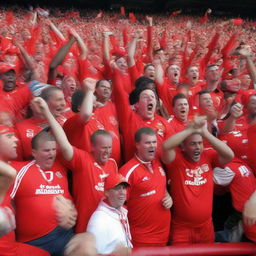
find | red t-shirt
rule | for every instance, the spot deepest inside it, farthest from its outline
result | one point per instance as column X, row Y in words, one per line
column 237, row 139
column 130, row 122
column 88, row 184
column 191, row 187
column 16, row 101
column 243, row 183
column 33, row 193
column 149, row 220
column 26, row 130
column 176, row 124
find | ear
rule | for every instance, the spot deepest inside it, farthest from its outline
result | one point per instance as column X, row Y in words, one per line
column 136, row 106
column 33, row 153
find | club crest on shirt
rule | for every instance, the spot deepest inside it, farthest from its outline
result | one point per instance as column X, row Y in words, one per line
column 160, row 129
column 195, row 177
column 30, row 133
column 58, row 174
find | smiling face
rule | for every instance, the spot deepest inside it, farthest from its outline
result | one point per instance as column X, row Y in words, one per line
column 147, row 147
column 146, row 106
column 45, row 153
column 121, row 64
column 56, row 102
column 117, row 195
column 252, row 106
column 192, row 147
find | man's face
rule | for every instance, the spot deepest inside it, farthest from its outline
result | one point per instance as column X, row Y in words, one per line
column 102, row 148
column 252, row 106
column 69, row 86
column 45, row 154
column 212, row 74
column 116, row 196
column 150, row 72
column 103, row 91
column 192, row 147
column 181, row 109
column 121, row 64
column 9, row 80
column 173, row 73
column 205, row 101
column 193, row 74
column 245, row 82
column 8, row 146
column 147, row 147
column 146, row 106
column 56, row 103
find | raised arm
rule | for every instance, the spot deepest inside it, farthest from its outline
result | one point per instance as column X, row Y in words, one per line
column 169, row 145
column 81, row 43
column 250, row 65
column 225, row 153
column 61, row 138
column 86, row 110
column 132, row 48
column 229, row 124
column 106, row 46
column 59, row 57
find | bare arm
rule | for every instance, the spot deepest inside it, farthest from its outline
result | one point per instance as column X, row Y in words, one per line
column 106, row 46
column 7, row 176
column 159, row 72
column 29, row 61
column 169, row 145
column 251, row 67
column 81, row 43
column 59, row 57
column 56, row 30
column 87, row 104
column 61, row 138
column 225, row 153
column 229, row 123
column 249, row 211
column 132, row 48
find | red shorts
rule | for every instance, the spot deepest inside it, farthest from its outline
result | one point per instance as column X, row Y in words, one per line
column 19, row 249
column 183, row 234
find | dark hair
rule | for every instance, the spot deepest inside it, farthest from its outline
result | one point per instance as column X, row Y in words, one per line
column 135, row 94
column 41, row 136
column 143, row 130
column 203, row 92
column 76, row 100
column 99, row 81
column 47, row 92
column 177, row 97
column 97, row 133
column 148, row 65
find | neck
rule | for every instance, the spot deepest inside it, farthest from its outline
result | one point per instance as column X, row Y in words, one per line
column 212, row 85
column 143, row 161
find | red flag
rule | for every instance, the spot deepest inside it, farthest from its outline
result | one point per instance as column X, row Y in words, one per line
column 122, row 11
column 132, row 18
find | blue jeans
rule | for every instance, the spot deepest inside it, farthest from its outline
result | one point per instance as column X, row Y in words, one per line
column 54, row 242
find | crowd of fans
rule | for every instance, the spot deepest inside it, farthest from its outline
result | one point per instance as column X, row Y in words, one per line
column 167, row 102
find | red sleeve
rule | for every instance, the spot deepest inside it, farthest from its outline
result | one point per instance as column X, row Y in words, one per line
column 134, row 74
column 124, row 111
